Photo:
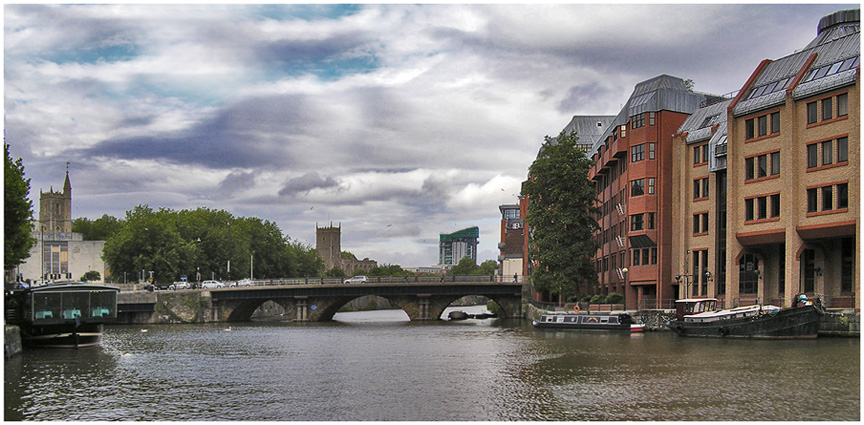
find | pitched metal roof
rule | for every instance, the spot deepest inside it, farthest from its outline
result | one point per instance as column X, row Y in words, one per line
column 838, row 41
column 661, row 93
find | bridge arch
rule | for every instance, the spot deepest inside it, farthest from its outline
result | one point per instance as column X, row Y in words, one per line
column 322, row 302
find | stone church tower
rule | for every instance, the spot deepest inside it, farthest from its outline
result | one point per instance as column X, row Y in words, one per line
column 55, row 209
column 328, row 243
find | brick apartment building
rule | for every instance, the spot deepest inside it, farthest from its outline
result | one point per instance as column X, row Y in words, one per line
column 633, row 178
column 793, row 155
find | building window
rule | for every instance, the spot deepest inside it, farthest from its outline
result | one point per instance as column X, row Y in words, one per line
column 748, row 209
column 762, row 205
column 749, row 174
column 637, row 121
column 775, row 163
column 812, row 200
column 649, row 221
column 763, row 125
column 762, row 165
column 775, row 205
column 651, row 149
column 842, row 105
column 700, row 188
column 759, row 126
column 842, row 149
column 651, row 118
column 700, row 223
column 623, row 131
column 636, row 223
column 812, row 113
column 842, row 195
column 812, row 153
column 827, row 109
column 808, row 269
column 827, row 198
column 827, row 150
column 637, row 187
column 651, row 185
column 748, row 274
column 637, row 153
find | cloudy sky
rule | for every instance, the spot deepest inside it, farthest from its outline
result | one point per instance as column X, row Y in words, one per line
column 400, row 122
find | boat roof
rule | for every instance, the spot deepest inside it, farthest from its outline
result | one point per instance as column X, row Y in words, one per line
column 695, row 300
column 65, row 286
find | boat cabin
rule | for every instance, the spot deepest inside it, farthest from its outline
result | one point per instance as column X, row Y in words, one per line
column 59, row 303
column 690, row 306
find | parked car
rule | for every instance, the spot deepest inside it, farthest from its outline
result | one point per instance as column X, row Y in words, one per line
column 180, row 285
column 211, row 284
column 357, row 279
column 244, row 282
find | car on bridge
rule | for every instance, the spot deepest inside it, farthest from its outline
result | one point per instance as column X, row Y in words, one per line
column 357, row 279
column 211, row 284
column 180, row 285
column 239, row 283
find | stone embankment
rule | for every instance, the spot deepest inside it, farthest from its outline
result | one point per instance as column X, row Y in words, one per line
column 845, row 323
column 11, row 341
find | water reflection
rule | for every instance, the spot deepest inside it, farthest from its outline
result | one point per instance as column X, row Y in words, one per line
column 379, row 366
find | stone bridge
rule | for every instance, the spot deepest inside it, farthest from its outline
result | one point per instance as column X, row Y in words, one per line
column 315, row 303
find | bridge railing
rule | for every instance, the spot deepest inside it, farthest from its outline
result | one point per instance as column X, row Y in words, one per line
column 388, row 279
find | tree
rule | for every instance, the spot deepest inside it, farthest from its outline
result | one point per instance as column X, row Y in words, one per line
column 466, row 266
column 90, row 276
column 561, row 217
column 97, row 230
column 18, row 214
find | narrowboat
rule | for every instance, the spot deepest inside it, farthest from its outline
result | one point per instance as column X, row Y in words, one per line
column 699, row 317
column 61, row 315
column 609, row 322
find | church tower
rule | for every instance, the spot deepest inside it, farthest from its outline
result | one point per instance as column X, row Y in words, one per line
column 328, row 244
column 55, row 209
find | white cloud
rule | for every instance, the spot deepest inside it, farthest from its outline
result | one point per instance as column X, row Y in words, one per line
column 400, row 121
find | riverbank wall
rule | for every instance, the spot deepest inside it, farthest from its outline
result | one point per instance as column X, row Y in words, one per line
column 835, row 323
column 11, row 341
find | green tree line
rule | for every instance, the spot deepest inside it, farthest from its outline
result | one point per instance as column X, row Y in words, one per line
column 173, row 243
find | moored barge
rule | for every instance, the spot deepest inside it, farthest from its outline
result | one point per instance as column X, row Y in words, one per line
column 700, row 318
column 61, row 315
column 609, row 322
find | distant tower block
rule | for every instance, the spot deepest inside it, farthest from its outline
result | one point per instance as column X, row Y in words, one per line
column 328, row 243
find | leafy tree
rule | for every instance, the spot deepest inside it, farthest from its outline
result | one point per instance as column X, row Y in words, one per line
column 466, row 266
column 560, row 216
column 335, row 272
column 97, row 230
column 176, row 243
column 18, row 214
column 90, row 276
column 150, row 241
column 487, row 268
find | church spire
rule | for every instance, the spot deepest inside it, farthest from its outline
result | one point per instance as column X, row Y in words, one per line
column 67, row 185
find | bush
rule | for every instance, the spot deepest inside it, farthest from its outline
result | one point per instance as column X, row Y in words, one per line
column 598, row 299
column 614, row 298
column 586, row 299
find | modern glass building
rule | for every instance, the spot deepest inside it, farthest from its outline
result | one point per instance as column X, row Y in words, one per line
column 454, row 246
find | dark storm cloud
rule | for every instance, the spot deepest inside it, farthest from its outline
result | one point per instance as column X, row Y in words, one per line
column 237, row 181
column 306, row 183
column 257, row 132
column 582, row 94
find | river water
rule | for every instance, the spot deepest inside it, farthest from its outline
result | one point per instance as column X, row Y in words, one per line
column 378, row 366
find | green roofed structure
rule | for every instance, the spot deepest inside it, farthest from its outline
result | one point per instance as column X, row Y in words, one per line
column 454, row 246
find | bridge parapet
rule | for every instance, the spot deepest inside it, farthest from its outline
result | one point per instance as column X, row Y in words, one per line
column 420, row 301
